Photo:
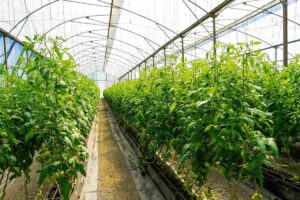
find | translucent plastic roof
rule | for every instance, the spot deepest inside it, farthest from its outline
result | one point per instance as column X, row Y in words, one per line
column 110, row 37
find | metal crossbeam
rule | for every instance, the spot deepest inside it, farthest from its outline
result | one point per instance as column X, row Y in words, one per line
column 187, row 30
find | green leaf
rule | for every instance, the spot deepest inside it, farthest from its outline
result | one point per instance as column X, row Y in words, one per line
column 273, row 146
column 43, row 175
column 172, row 107
column 58, row 52
column 56, row 163
column 200, row 103
column 65, row 187
column 29, row 135
column 261, row 144
column 81, row 169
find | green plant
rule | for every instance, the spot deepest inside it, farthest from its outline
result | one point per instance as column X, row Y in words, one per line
column 214, row 114
column 282, row 94
column 46, row 110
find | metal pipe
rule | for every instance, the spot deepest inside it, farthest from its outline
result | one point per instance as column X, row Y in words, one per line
column 153, row 60
column 187, row 30
column 182, row 49
column 165, row 57
column 285, row 32
column 108, row 32
column 5, row 53
column 276, row 54
column 214, row 36
column 215, row 46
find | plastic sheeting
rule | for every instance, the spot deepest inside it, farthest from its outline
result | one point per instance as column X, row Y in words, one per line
column 108, row 37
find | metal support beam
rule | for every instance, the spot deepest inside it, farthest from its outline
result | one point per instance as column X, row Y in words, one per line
column 139, row 71
column 215, row 46
column 153, row 61
column 146, row 67
column 285, row 32
column 107, row 38
column 5, row 53
column 182, row 50
column 165, row 57
column 276, row 54
column 214, row 36
column 236, row 23
column 187, row 30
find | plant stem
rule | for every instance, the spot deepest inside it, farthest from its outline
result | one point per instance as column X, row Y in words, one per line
column 1, row 177
column 5, row 185
column 25, row 187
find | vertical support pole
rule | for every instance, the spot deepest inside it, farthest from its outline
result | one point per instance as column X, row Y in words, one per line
column 5, row 53
column 182, row 49
column 146, row 67
column 139, row 71
column 165, row 57
column 106, row 80
column 276, row 54
column 131, row 74
column 215, row 47
column 153, row 60
column 134, row 73
column 285, row 32
column 214, row 36
column 128, row 76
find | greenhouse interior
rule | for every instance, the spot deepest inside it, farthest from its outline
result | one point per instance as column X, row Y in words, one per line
column 149, row 99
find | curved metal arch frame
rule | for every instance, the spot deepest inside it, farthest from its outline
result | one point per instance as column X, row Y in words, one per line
column 87, row 41
column 137, row 14
column 28, row 15
column 90, row 58
column 115, row 68
column 100, row 45
column 85, row 62
column 137, row 48
column 118, row 7
column 70, row 20
column 129, row 31
column 232, row 27
column 123, row 42
column 93, row 47
column 98, row 50
column 91, row 31
column 57, row 1
column 101, row 54
column 113, row 58
column 87, row 66
column 147, row 39
column 82, row 17
column 88, row 63
column 85, row 72
column 90, row 16
column 183, row 33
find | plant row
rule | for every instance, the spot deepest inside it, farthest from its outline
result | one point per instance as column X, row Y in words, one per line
column 46, row 111
column 233, row 112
